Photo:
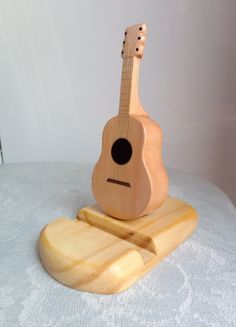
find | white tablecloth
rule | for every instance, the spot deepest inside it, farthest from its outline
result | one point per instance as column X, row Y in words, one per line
column 195, row 286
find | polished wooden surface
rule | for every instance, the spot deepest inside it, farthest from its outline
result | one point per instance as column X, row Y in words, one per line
column 98, row 252
column 101, row 254
column 134, row 40
column 144, row 172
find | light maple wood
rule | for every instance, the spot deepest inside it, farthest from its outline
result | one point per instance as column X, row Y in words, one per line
column 134, row 40
column 101, row 254
column 144, row 172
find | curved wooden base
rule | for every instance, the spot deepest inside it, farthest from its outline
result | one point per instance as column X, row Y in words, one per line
column 101, row 254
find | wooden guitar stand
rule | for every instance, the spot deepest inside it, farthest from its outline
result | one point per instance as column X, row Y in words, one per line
column 100, row 254
column 135, row 224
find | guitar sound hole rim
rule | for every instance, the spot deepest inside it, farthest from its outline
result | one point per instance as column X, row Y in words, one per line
column 121, row 151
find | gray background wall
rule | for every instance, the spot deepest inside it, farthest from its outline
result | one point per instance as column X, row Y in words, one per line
column 60, row 72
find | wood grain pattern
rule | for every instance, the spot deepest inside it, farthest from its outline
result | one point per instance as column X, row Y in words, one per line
column 130, row 103
column 101, row 254
column 134, row 40
column 144, row 172
column 106, row 255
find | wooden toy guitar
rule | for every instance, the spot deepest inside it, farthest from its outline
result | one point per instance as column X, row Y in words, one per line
column 129, row 179
column 99, row 253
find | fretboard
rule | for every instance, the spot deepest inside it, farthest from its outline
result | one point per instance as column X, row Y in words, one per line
column 129, row 98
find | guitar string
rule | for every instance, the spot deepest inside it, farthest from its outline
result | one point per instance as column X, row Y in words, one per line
column 119, row 121
column 125, row 102
column 122, row 104
column 128, row 95
column 126, row 107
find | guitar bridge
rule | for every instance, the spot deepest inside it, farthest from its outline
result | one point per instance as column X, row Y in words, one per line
column 115, row 181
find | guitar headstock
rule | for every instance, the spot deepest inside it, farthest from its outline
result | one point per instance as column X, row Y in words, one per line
column 133, row 44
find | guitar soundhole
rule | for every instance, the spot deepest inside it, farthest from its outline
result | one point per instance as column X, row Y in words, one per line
column 121, row 151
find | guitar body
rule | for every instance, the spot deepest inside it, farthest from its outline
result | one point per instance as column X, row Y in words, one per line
column 137, row 187
column 129, row 179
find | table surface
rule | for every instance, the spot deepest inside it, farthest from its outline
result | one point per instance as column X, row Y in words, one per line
column 194, row 286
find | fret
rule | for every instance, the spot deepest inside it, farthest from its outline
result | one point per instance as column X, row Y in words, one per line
column 124, row 104
column 129, row 86
column 125, row 96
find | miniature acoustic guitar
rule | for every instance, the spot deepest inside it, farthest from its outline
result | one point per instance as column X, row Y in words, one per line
column 102, row 254
column 129, row 179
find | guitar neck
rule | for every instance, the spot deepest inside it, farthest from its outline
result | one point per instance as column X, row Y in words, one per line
column 129, row 95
